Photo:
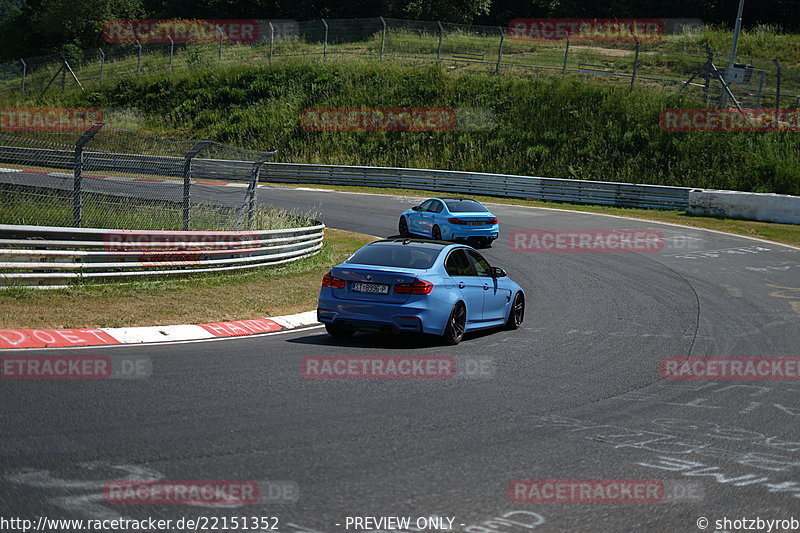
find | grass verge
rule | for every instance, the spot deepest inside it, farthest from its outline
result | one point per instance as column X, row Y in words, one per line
column 204, row 298
column 782, row 233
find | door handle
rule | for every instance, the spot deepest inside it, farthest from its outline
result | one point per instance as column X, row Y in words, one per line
column 461, row 285
column 485, row 287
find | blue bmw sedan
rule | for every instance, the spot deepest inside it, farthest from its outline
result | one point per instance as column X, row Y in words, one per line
column 450, row 219
column 415, row 285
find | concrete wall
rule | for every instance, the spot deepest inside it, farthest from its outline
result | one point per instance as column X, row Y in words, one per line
column 745, row 205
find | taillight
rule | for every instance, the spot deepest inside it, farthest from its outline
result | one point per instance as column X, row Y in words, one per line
column 330, row 281
column 456, row 221
column 418, row 287
column 492, row 221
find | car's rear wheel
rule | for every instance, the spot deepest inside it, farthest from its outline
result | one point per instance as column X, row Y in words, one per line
column 338, row 331
column 402, row 227
column 454, row 331
column 436, row 233
column 517, row 312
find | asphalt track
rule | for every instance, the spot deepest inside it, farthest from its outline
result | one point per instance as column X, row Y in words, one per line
column 575, row 394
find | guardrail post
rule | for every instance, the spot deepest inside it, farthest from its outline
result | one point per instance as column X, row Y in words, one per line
column 566, row 56
column 271, row 40
column 500, row 50
column 171, row 52
column 24, row 72
column 102, row 62
column 187, row 182
column 635, row 62
column 441, row 35
column 325, row 43
column 139, row 58
column 77, row 173
column 777, row 84
column 383, row 35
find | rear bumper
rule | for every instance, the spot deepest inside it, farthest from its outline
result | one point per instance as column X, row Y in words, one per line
column 474, row 232
column 412, row 317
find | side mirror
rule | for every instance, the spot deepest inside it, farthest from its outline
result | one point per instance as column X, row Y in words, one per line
column 498, row 272
column 415, row 208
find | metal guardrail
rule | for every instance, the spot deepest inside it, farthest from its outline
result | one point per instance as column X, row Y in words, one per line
column 48, row 256
column 502, row 185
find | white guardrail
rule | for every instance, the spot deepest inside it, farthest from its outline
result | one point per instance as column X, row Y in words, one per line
column 704, row 202
column 47, row 256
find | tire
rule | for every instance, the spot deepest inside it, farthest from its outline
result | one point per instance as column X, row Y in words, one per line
column 402, row 227
column 338, row 332
column 436, row 233
column 517, row 312
column 454, row 330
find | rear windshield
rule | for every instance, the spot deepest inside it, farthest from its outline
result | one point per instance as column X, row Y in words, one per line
column 397, row 255
column 465, row 206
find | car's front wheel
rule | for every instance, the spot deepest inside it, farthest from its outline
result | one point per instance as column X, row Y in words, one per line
column 517, row 312
column 402, row 227
column 338, row 331
column 454, row 331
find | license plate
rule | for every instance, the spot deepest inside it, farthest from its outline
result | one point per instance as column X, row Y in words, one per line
column 477, row 223
column 371, row 288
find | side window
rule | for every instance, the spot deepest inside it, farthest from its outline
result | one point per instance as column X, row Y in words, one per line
column 457, row 264
column 481, row 265
column 425, row 206
column 436, row 206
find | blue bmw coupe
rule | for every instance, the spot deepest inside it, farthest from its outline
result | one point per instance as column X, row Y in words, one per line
column 450, row 219
column 416, row 285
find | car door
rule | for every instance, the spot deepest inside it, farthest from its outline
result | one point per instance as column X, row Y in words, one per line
column 415, row 218
column 462, row 272
column 496, row 295
column 433, row 216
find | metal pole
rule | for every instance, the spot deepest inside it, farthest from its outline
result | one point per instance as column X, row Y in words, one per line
column 24, row 72
column 63, row 73
column 777, row 85
column 441, row 34
column 171, row 51
column 187, row 182
column 635, row 62
column 271, row 40
column 77, row 196
column 252, row 188
column 761, row 77
column 325, row 44
column 383, row 35
column 566, row 55
column 139, row 58
column 707, row 84
column 102, row 62
column 732, row 59
column 219, row 52
column 500, row 50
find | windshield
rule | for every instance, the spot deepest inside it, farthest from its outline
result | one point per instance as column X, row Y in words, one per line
column 396, row 255
column 465, row 206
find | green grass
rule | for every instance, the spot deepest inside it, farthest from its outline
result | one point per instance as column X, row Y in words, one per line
column 561, row 127
column 47, row 207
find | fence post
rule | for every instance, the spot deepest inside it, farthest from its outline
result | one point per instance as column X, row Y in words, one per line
column 63, row 73
column 383, row 35
column 139, row 58
column 325, row 44
column 777, row 84
column 171, row 51
column 219, row 52
column 761, row 79
column 500, row 50
column 102, row 62
column 271, row 40
column 252, row 189
column 441, row 35
column 187, row 182
column 77, row 173
column 635, row 62
column 566, row 56
column 24, row 73
column 707, row 84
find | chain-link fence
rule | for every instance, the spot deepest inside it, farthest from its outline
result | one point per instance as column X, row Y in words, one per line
column 667, row 62
column 117, row 178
